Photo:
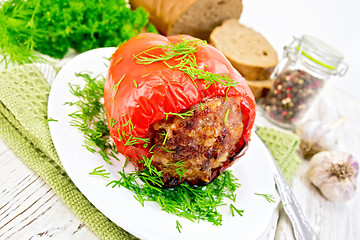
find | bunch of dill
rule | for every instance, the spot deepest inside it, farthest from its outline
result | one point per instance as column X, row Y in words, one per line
column 52, row 27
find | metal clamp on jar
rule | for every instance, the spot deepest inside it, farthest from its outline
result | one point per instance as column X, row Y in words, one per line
column 306, row 66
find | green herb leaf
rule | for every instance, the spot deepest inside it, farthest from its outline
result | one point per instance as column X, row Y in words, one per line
column 100, row 172
column 178, row 226
column 51, row 120
column 233, row 208
column 181, row 115
column 226, row 115
column 184, row 53
column 90, row 117
column 82, row 25
column 269, row 197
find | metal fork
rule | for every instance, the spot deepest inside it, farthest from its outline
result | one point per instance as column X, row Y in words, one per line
column 302, row 229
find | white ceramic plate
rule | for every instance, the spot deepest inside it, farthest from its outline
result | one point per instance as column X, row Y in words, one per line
column 118, row 204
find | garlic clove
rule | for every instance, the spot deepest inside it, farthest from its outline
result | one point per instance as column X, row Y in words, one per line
column 315, row 136
column 334, row 173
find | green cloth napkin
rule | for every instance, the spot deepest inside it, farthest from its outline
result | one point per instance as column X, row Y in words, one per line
column 23, row 112
column 283, row 147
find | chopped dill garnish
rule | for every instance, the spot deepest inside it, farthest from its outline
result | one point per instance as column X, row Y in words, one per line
column 181, row 115
column 112, row 122
column 118, row 60
column 152, row 148
column 178, row 226
column 226, row 115
column 130, row 141
column 51, row 120
column 269, row 197
column 90, row 117
column 184, row 53
column 116, row 87
column 130, row 124
column 233, row 208
column 180, row 50
column 145, row 75
column 167, row 150
column 180, row 171
column 201, row 106
column 100, row 172
column 135, row 83
column 192, row 202
column 165, row 134
column 146, row 140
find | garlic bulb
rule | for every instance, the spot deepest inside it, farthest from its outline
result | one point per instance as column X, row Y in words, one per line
column 334, row 173
column 315, row 136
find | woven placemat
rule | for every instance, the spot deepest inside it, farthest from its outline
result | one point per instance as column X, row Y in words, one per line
column 23, row 112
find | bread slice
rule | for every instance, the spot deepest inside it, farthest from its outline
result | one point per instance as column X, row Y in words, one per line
column 194, row 17
column 260, row 88
column 247, row 50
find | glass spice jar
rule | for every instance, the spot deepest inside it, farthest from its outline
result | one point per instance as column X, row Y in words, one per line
column 305, row 67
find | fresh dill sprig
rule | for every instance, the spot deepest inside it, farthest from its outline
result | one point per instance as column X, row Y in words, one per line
column 184, row 53
column 51, row 120
column 269, row 197
column 226, row 115
column 152, row 148
column 112, row 122
column 180, row 50
column 167, row 150
column 178, row 226
column 130, row 124
column 165, row 134
column 100, row 172
column 116, row 88
column 201, row 106
column 180, row 171
column 180, row 114
column 135, row 83
column 90, row 117
column 32, row 26
column 192, row 202
column 233, row 208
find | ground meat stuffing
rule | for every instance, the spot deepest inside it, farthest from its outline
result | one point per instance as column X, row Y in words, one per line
column 194, row 148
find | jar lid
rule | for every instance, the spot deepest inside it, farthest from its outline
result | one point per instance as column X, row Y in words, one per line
column 320, row 53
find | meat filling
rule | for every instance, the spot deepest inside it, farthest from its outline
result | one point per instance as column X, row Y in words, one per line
column 195, row 146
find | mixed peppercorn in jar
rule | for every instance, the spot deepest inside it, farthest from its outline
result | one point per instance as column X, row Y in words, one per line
column 299, row 78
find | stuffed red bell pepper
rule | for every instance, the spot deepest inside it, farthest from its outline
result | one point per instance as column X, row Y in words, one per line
column 179, row 103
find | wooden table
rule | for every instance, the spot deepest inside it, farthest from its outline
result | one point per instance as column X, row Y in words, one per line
column 29, row 208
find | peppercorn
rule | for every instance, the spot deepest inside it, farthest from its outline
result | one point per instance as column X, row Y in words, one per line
column 293, row 92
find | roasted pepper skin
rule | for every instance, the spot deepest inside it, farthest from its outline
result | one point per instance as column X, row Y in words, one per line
column 147, row 92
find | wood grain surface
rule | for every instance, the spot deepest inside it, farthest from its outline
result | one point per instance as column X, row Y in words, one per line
column 29, row 208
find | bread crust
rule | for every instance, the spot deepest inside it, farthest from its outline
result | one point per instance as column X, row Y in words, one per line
column 171, row 17
column 163, row 13
column 260, row 88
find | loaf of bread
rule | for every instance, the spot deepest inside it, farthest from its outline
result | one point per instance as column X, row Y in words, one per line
column 248, row 51
column 194, row 17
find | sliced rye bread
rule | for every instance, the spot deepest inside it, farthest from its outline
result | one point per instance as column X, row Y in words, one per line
column 247, row 50
column 194, row 17
column 261, row 87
